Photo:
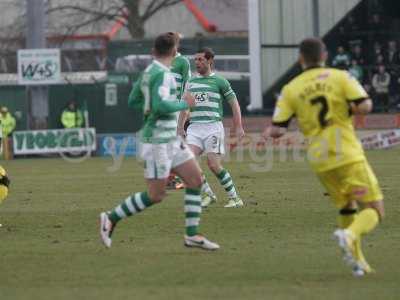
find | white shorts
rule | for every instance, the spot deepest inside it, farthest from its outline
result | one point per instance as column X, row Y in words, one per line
column 209, row 137
column 159, row 159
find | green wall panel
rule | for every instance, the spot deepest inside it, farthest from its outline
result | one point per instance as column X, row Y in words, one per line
column 105, row 119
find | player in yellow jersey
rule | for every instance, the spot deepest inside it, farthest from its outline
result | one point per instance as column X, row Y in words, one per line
column 323, row 100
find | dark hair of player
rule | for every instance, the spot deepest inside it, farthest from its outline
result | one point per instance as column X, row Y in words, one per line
column 164, row 44
column 176, row 36
column 208, row 53
column 312, row 50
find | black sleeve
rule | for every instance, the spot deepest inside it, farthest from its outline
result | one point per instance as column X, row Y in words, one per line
column 359, row 100
column 284, row 124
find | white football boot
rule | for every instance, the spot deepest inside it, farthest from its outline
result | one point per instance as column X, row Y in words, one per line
column 234, row 202
column 207, row 200
column 200, row 241
column 345, row 241
column 106, row 229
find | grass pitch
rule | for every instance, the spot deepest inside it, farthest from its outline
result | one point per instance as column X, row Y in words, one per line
column 278, row 247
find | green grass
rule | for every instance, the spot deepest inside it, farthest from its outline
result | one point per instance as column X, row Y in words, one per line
column 278, row 247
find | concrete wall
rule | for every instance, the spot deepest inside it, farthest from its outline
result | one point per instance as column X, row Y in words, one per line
column 287, row 22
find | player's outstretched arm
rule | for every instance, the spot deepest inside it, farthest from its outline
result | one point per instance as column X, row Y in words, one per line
column 165, row 107
column 237, row 118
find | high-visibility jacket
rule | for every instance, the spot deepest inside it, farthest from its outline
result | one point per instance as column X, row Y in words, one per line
column 72, row 119
column 7, row 124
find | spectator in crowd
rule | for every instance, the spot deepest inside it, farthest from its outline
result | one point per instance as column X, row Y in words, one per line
column 378, row 57
column 358, row 55
column 8, row 123
column 72, row 117
column 381, row 82
column 392, row 65
column 342, row 59
column 392, row 55
column 356, row 70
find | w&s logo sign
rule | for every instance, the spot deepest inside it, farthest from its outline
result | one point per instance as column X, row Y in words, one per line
column 39, row 66
column 38, row 71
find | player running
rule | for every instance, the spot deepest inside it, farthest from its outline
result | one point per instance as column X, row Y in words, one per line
column 205, row 133
column 323, row 100
column 155, row 94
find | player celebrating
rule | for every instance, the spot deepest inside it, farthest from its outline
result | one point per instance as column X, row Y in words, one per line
column 206, row 132
column 323, row 101
column 180, row 69
column 161, row 149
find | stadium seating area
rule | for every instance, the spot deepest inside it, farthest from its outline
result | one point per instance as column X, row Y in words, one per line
column 371, row 52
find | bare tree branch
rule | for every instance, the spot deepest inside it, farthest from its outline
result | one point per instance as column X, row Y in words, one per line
column 109, row 12
column 73, row 15
column 151, row 5
column 75, row 27
column 162, row 4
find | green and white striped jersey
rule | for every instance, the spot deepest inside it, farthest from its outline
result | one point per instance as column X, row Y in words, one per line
column 181, row 70
column 209, row 92
column 154, row 93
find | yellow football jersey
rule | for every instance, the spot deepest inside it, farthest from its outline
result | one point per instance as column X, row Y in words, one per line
column 4, row 182
column 319, row 99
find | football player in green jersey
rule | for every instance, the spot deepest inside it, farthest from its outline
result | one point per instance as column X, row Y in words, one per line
column 180, row 69
column 205, row 133
column 154, row 93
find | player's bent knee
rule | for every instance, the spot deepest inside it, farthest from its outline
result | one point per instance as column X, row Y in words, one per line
column 198, row 182
column 157, row 197
column 381, row 213
column 379, row 208
column 195, row 182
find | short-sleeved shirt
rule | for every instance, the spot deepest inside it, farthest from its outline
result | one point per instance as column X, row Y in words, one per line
column 210, row 92
column 320, row 100
column 155, row 87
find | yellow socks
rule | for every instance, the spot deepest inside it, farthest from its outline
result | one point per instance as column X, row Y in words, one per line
column 346, row 217
column 344, row 220
column 365, row 221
